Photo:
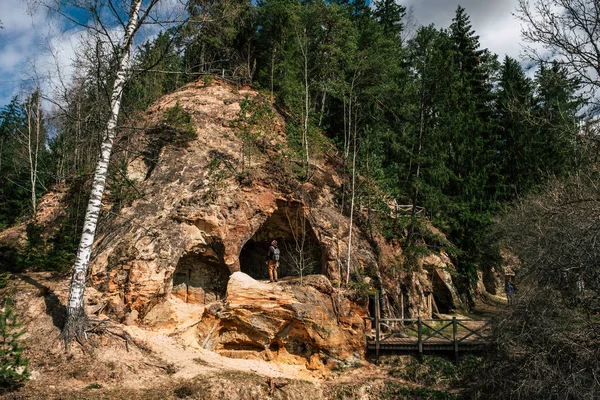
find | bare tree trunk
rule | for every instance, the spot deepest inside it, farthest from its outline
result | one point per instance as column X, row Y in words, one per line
column 345, row 124
column 304, row 50
column 322, row 106
column 383, row 300
column 273, row 53
column 1, row 152
column 33, row 144
column 349, row 141
column 351, row 208
column 301, row 253
column 306, row 110
column 77, row 137
column 76, row 319
column 415, row 198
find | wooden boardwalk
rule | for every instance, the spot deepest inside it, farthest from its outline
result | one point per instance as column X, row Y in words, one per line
column 431, row 345
column 428, row 335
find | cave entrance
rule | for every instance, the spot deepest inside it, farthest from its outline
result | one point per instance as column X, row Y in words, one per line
column 300, row 248
column 441, row 294
column 200, row 278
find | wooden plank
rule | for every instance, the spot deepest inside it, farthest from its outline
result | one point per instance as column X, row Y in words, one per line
column 454, row 333
column 420, row 340
column 377, row 343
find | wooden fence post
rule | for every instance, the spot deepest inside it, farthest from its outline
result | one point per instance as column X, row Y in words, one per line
column 420, row 336
column 377, row 328
column 455, row 336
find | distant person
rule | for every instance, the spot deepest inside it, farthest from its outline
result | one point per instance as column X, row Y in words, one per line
column 510, row 290
column 273, row 261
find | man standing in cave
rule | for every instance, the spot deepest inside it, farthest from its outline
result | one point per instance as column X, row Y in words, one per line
column 273, row 261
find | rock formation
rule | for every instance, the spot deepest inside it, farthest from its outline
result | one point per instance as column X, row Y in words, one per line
column 288, row 322
column 197, row 221
column 190, row 251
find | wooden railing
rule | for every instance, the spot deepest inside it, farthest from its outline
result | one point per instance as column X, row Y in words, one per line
column 434, row 334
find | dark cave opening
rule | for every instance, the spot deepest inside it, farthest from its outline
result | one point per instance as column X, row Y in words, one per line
column 299, row 246
column 442, row 295
column 201, row 277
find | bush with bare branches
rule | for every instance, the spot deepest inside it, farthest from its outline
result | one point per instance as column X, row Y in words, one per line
column 548, row 345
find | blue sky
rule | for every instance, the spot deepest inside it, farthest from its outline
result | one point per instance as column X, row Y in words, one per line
column 25, row 39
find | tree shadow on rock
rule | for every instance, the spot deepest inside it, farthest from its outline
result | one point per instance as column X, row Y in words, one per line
column 54, row 308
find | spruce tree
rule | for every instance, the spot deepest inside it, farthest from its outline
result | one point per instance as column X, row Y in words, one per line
column 13, row 365
column 514, row 105
column 390, row 16
column 471, row 145
column 556, row 112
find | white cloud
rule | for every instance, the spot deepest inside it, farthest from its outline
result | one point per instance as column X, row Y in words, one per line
column 492, row 20
column 26, row 38
column 31, row 40
column 25, row 43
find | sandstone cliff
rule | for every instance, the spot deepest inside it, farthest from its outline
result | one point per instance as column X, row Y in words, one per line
column 199, row 219
column 189, row 252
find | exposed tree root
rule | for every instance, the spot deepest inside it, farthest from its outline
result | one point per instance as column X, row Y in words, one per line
column 75, row 328
column 79, row 328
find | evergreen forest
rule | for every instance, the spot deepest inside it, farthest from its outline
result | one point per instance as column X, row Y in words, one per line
column 483, row 147
column 436, row 121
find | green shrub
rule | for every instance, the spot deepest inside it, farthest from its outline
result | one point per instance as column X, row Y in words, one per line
column 362, row 290
column 177, row 125
column 431, row 371
column 175, row 129
column 13, row 365
column 209, row 79
column 434, row 371
column 93, row 386
column 4, row 277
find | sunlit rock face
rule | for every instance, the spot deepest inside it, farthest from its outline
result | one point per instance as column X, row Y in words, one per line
column 190, row 250
column 196, row 221
column 287, row 321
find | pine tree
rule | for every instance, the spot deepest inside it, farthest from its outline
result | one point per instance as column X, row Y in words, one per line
column 390, row 16
column 13, row 365
column 556, row 108
column 219, row 38
column 472, row 146
column 23, row 158
column 517, row 150
column 157, row 70
column 13, row 196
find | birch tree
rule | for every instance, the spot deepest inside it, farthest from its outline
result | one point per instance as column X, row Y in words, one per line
column 355, row 133
column 31, row 138
column 34, row 140
column 303, row 44
column 77, row 320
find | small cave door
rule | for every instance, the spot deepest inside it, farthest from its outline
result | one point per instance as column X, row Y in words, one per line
column 200, row 278
column 299, row 246
column 442, row 295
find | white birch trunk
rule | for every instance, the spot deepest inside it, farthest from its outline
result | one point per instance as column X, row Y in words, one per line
column 306, row 110
column 304, row 49
column 76, row 318
column 32, row 151
column 351, row 208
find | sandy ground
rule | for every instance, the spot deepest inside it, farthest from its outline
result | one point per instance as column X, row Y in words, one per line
column 151, row 362
column 158, row 364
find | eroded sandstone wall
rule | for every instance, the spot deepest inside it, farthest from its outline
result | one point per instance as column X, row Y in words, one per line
column 195, row 208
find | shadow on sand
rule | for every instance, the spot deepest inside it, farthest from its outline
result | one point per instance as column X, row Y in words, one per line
column 54, row 308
